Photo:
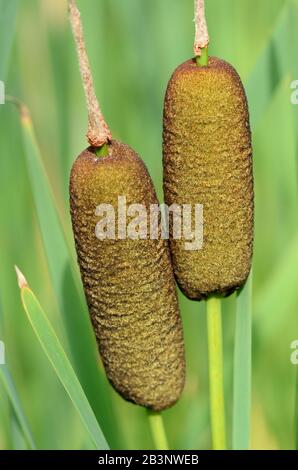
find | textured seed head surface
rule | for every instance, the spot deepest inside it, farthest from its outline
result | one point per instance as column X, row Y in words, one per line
column 207, row 157
column 129, row 284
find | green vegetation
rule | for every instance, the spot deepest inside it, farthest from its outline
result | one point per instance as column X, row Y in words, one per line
column 132, row 56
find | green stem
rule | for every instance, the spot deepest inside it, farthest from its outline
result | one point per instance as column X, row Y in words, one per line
column 102, row 151
column 216, row 373
column 242, row 369
column 158, row 431
column 202, row 60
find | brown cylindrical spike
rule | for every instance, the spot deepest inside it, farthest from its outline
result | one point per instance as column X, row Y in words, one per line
column 129, row 284
column 208, row 160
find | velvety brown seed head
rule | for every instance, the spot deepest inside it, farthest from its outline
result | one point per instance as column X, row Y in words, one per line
column 208, row 160
column 129, row 284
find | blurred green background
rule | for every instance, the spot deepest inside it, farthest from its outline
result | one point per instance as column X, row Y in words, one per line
column 134, row 46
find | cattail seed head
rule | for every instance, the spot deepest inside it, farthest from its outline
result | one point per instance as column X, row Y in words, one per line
column 129, row 284
column 207, row 158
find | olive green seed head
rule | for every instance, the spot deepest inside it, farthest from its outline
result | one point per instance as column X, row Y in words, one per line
column 129, row 284
column 207, row 158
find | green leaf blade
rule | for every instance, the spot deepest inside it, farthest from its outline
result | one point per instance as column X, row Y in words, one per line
column 61, row 365
column 242, row 368
column 12, row 394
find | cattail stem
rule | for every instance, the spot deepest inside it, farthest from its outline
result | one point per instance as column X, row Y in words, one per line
column 98, row 131
column 157, row 429
column 215, row 347
column 202, row 60
column 102, row 151
column 201, row 35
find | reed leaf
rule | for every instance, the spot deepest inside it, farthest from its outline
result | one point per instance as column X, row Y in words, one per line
column 242, row 368
column 11, row 391
column 60, row 362
column 9, row 387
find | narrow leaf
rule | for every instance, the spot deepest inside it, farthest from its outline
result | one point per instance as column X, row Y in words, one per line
column 278, row 294
column 270, row 68
column 242, row 368
column 9, row 386
column 60, row 363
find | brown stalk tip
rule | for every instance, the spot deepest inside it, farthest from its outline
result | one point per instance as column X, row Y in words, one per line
column 98, row 131
column 201, row 36
column 22, row 282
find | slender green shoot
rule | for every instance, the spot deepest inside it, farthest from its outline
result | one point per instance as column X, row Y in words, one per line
column 102, row 151
column 242, row 369
column 215, row 347
column 158, row 431
column 202, row 60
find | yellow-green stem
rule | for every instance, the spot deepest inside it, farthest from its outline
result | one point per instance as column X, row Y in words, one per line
column 202, row 60
column 102, row 151
column 217, row 406
column 157, row 429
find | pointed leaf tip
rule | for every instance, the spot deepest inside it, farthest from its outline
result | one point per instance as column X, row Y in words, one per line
column 21, row 278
